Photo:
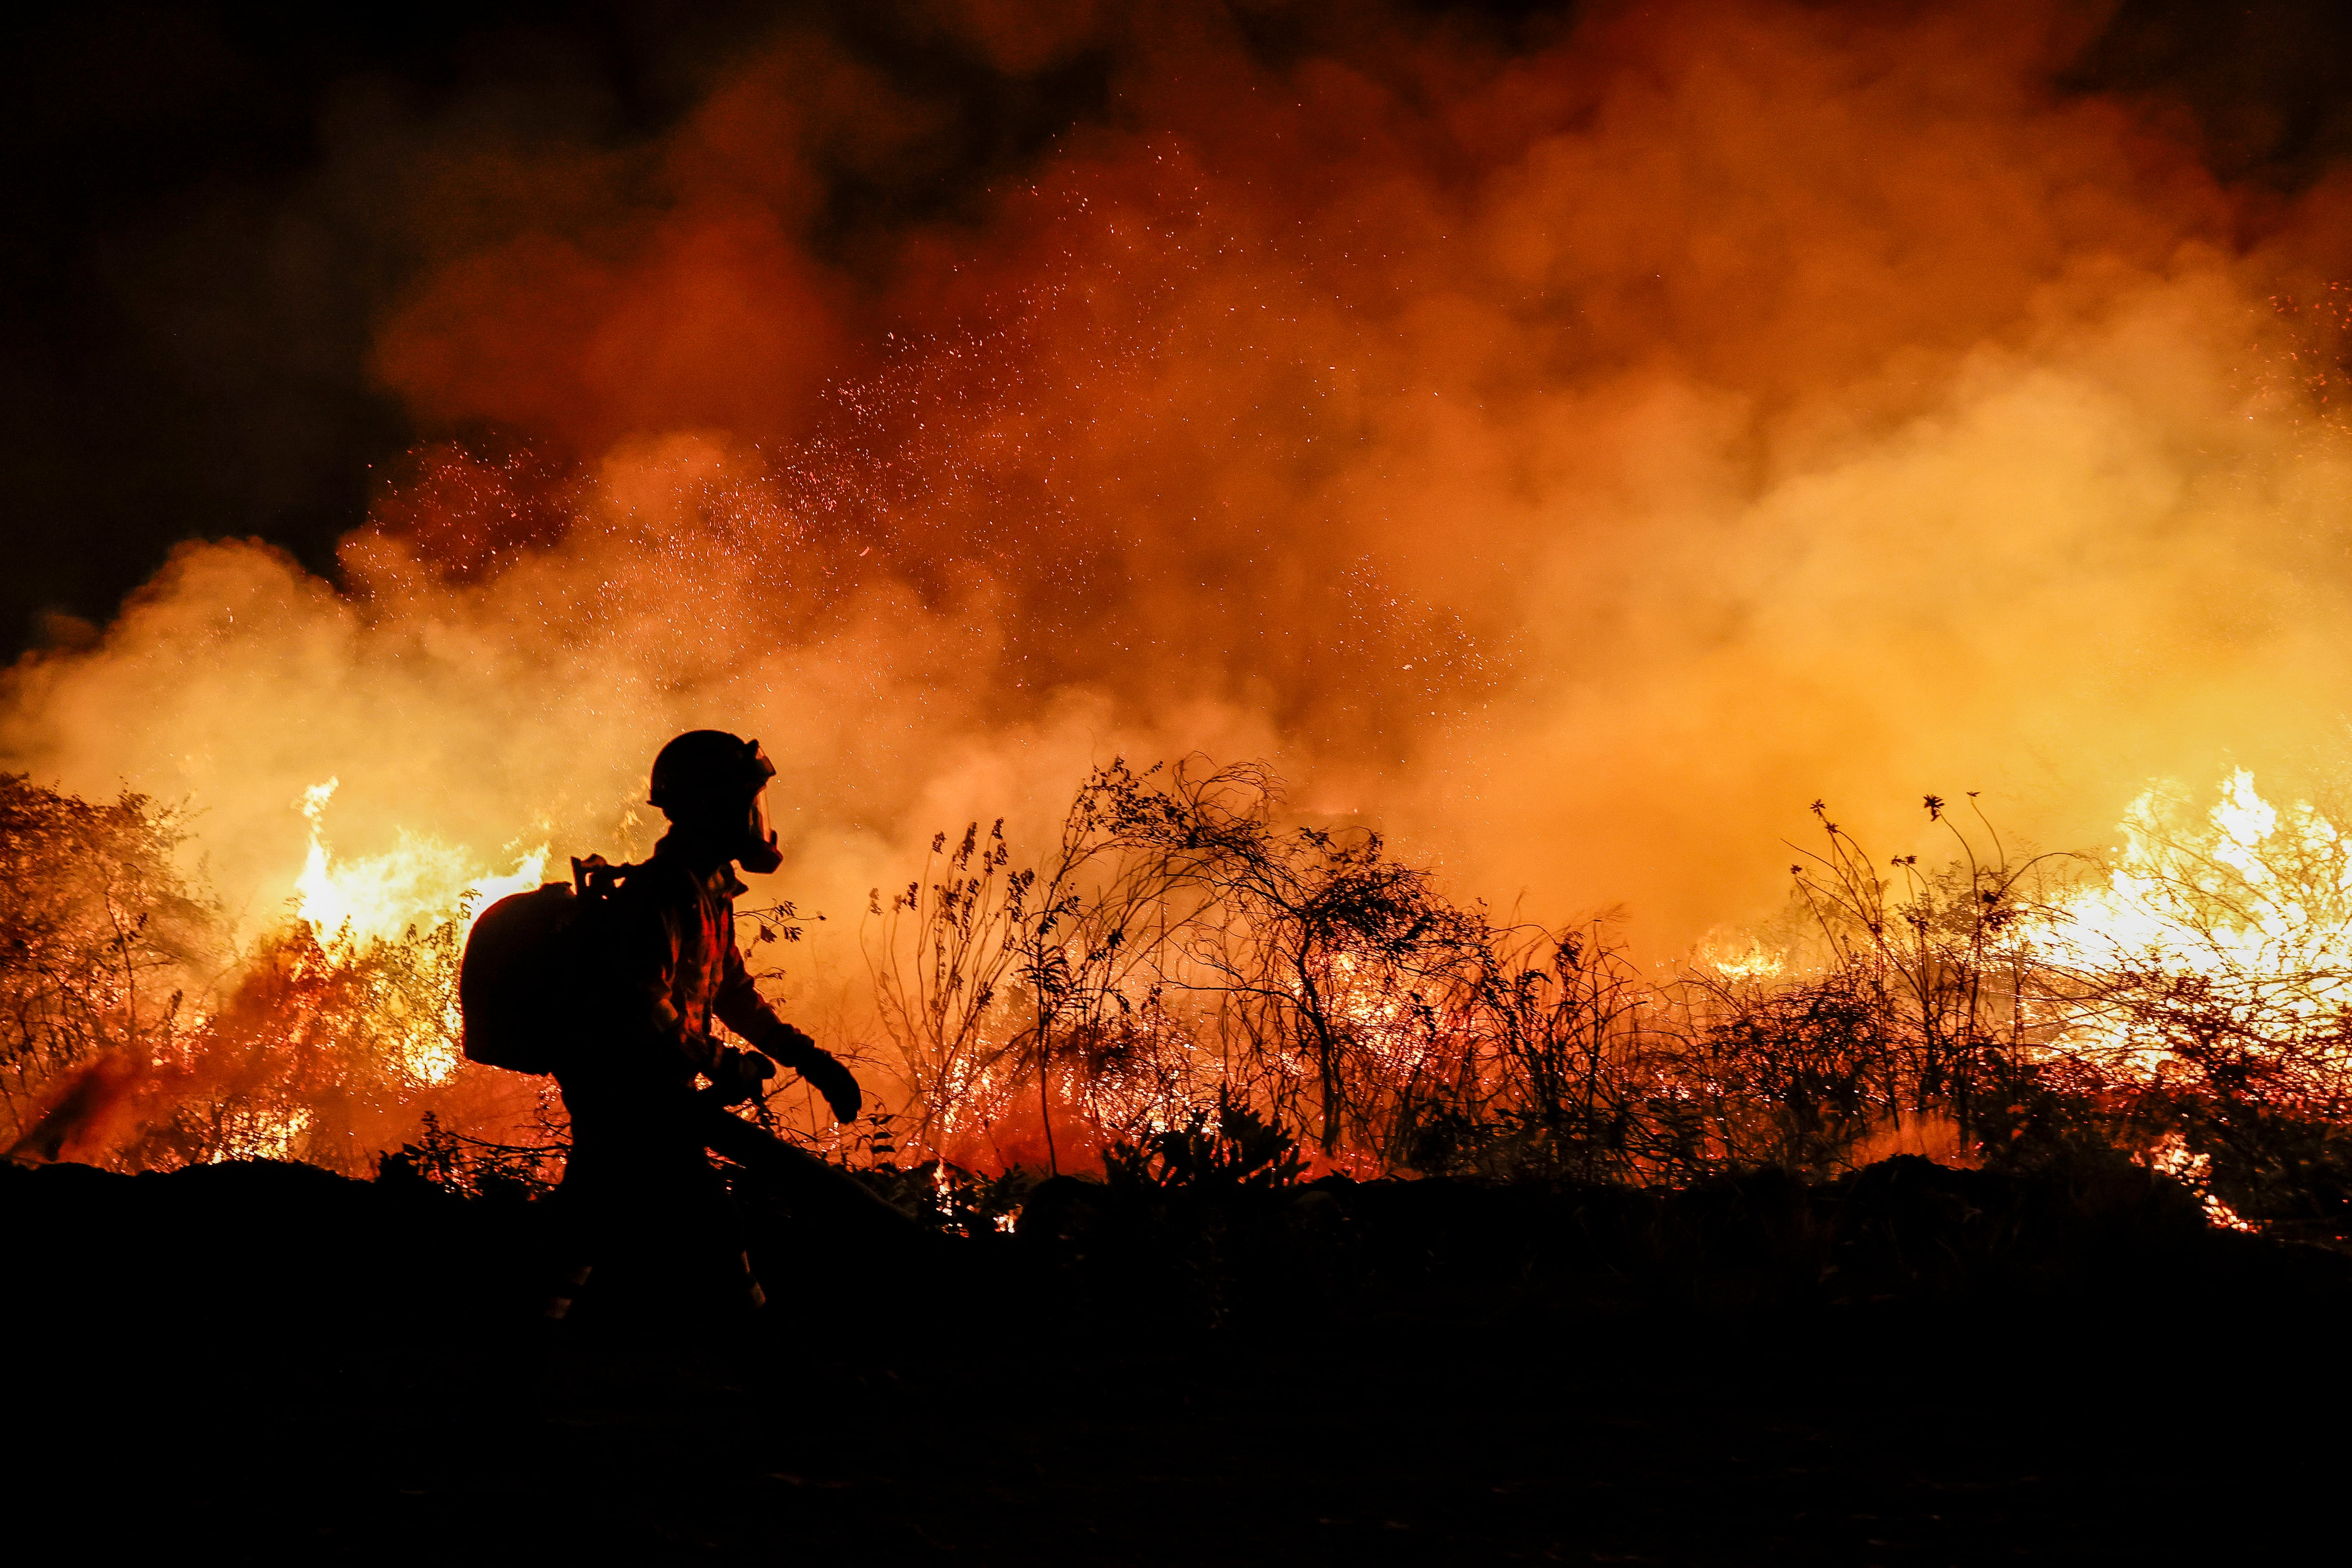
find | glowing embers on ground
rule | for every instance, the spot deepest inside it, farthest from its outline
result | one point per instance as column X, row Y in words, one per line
column 2172, row 1156
column 1750, row 962
column 262, row 1134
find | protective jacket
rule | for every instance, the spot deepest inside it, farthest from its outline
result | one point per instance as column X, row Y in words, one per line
column 669, row 966
column 674, row 966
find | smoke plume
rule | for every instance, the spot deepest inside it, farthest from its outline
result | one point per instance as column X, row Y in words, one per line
column 1574, row 454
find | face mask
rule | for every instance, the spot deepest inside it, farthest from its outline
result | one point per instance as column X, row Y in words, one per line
column 759, row 853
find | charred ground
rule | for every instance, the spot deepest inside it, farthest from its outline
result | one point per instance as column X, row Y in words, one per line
column 1912, row 1364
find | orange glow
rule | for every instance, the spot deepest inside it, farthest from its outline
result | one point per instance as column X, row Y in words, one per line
column 1571, row 456
column 423, row 880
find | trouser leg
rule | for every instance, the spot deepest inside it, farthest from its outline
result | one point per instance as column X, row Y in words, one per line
column 637, row 1174
column 568, row 1281
column 580, row 1225
column 706, row 1206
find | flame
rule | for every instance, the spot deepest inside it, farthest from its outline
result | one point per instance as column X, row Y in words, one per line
column 2252, row 899
column 422, row 880
column 1568, row 451
column 264, row 1135
column 1755, row 962
column 2171, row 1155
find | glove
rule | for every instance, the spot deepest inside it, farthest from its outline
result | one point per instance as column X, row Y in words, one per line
column 819, row 1068
column 824, row 1073
column 738, row 1074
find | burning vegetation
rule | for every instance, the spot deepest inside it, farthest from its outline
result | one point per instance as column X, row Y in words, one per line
column 141, row 1036
column 1192, row 979
column 1543, row 442
column 1197, row 500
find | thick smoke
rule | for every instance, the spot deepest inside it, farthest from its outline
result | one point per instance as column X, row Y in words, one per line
column 1574, row 458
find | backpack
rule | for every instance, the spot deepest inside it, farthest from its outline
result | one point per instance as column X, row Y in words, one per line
column 531, row 973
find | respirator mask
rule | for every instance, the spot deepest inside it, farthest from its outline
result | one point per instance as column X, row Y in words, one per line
column 715, row 787
column 758, row 852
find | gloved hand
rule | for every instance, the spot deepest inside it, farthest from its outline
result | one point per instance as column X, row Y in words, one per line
column 739, row 1075
column 826, row 1074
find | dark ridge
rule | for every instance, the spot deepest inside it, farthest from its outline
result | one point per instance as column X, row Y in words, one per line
column 1913, row 1364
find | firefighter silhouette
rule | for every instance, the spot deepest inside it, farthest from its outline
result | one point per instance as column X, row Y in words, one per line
column 668, row 966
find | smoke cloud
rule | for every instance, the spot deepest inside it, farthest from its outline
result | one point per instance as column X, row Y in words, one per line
column 1574, row 457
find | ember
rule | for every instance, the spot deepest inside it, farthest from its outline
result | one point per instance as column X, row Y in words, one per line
column 1183, row 948
column 1561, row 451
column 1295, row 566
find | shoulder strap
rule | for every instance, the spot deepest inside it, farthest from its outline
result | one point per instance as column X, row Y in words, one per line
column 597, row 877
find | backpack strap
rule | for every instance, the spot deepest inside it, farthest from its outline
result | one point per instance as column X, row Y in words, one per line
column 597, row 877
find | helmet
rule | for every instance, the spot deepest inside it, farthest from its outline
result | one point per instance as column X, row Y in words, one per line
column 702, row 766
column 711, row 777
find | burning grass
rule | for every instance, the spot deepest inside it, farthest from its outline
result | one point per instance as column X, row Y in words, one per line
column 1188, row 970
column 2176, row 1007
column 141, row 1037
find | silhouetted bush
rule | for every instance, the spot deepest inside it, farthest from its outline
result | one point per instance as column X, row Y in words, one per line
column 1191, row 991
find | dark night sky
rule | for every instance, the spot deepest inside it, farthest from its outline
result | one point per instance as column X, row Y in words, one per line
column 193, row 265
